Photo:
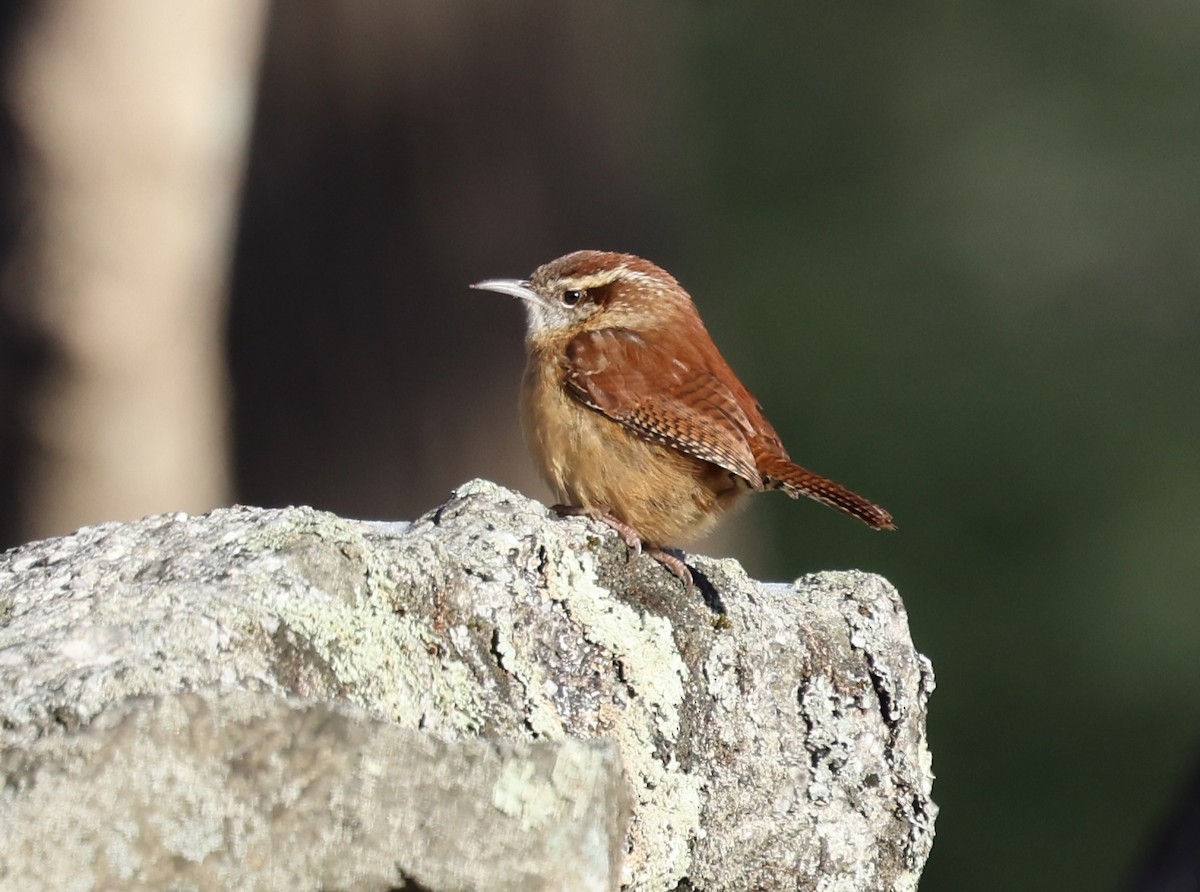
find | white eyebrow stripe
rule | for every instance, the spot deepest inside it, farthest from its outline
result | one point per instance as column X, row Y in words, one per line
column 595, row 280
column 604, row 277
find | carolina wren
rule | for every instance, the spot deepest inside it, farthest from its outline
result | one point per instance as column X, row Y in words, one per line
column 633, row 415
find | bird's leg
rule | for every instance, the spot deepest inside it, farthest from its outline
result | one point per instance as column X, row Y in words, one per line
column 672, row 562
column 624, row 530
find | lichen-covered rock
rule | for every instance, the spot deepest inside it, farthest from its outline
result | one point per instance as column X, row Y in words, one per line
column 234, row 790
column 777, row 744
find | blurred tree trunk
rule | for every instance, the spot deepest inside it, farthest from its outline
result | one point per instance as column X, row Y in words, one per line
column 134, row 119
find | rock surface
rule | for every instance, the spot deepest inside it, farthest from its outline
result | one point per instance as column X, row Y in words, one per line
column 188, row 791
column 777, row 744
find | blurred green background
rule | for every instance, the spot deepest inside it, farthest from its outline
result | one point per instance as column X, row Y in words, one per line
column 965, row 249
column 953, row 249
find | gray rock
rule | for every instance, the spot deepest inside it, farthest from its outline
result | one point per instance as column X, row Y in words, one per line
column 234, row 790
column 779, row 744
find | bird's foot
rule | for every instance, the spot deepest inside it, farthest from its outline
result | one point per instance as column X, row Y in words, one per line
column 675, row 564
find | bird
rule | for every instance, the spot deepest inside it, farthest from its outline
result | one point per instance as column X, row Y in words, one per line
column 634, row 417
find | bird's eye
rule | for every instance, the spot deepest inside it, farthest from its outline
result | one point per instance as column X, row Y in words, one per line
column 570, row 298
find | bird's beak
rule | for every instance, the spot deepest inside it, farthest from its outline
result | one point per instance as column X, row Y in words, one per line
column 512, row 287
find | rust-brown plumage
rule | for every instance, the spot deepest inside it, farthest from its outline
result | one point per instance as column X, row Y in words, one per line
column 632, row 413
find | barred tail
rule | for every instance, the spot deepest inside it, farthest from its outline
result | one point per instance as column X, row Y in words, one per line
column 796, row 481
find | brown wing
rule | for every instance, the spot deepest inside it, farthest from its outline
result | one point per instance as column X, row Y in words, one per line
column 669, row 398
